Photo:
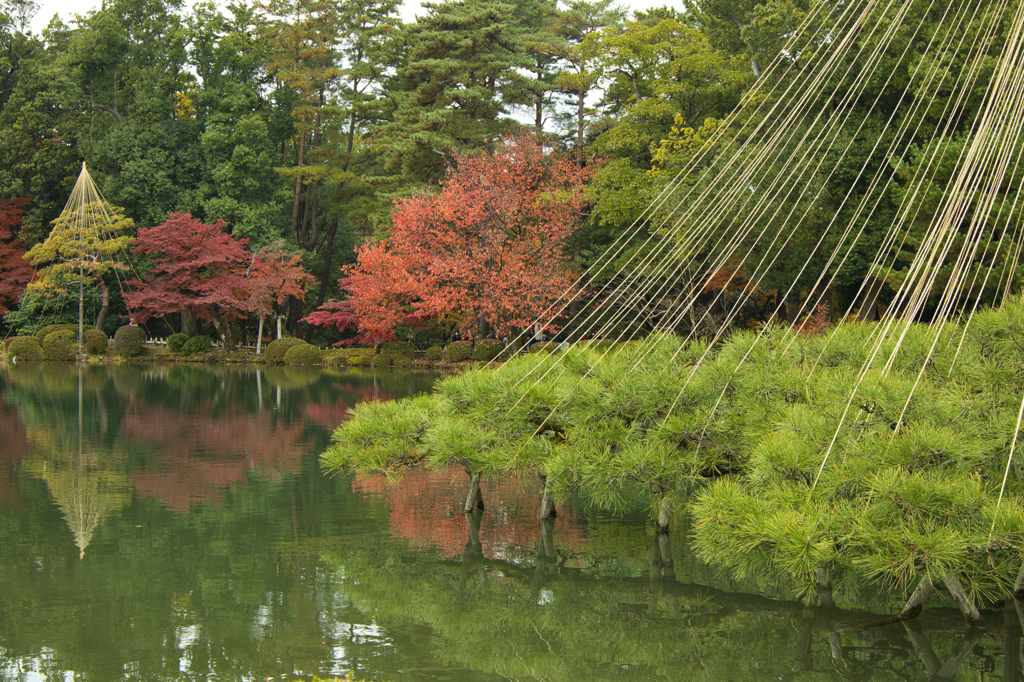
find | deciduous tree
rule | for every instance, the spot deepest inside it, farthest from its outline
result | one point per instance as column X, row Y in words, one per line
column 15, row 272
column 202, row 272
column 489, row 248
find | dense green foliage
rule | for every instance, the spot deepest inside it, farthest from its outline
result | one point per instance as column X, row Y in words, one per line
column 95, row 342
column 24, row 348
column 298, row 124
column 197, row 344
column 903, row 483
column 128, row 341
column 61, row 344
column 303, row 354
column 487, row 349
column 277, row 348
column 457, row 351
column 176, row 341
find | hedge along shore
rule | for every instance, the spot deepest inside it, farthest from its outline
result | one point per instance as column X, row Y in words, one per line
column 180, row 348
column 908, row 497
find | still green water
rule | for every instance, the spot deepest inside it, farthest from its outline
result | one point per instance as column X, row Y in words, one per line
column 172, row 523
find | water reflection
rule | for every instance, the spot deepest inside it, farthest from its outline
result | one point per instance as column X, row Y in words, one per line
column 171, row 522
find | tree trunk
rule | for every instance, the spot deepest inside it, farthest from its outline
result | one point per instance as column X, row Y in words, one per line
column 663, row 505
column 259, row 336
column 328, row 260
column 1018, row 586
column 963, row 600
column 917, row 600
column 223, row 328
column 547, row 500
column 869, row 308
column 101, row 317
column 188, row 323
column 474, row 498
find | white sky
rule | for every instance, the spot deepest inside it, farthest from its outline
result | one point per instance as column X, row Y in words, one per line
column 67, row 9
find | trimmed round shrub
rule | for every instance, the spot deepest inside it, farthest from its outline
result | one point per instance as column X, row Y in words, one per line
column 359, row 360
column 60, row 345
column 390, row 360
column 487, row 349
column 303, row 354
column 545, row 346
column 95, row 341
column 25, row 348
column 197, row 344
column 399, row 348
column 433, row 354
column 128, row 341
column 277, row 348
column 459, row 350
column 175, row 342
column 51, row 328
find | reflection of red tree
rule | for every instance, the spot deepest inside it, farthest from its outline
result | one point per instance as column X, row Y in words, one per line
column 329, row 415
column 15, row 448
column 426, row 509
column 195, row 457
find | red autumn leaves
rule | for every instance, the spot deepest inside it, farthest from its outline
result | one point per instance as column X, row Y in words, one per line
column 490, row 246
column 202, row 270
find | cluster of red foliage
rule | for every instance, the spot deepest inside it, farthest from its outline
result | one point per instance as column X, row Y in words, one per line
column 15, row 271
column 816, row 322
column 490, row 246
column 202, row 269
column 196, row 457
column 426, row 510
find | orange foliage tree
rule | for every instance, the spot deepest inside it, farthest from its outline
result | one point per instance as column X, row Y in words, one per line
column 490, row 248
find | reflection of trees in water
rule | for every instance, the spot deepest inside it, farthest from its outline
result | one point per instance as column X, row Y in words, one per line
column 426, row 510
column 15, row 449
column 552, row 622
column 87, row 486
column 194, row 457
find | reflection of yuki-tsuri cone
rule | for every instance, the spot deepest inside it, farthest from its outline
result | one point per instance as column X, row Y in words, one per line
column 85, row 495
column 936, row 669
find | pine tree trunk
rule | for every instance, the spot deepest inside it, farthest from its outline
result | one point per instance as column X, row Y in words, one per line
column 101, row 317
column 547, row 500
column 474, row 498
column 663, row 505
column 918, row 598
column 963, row 600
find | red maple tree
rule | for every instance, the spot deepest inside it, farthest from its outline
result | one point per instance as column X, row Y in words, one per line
column 489, row 248
column 202, row 270
column 15, row 271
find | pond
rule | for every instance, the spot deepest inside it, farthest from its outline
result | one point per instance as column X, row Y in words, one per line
column 172, row 523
